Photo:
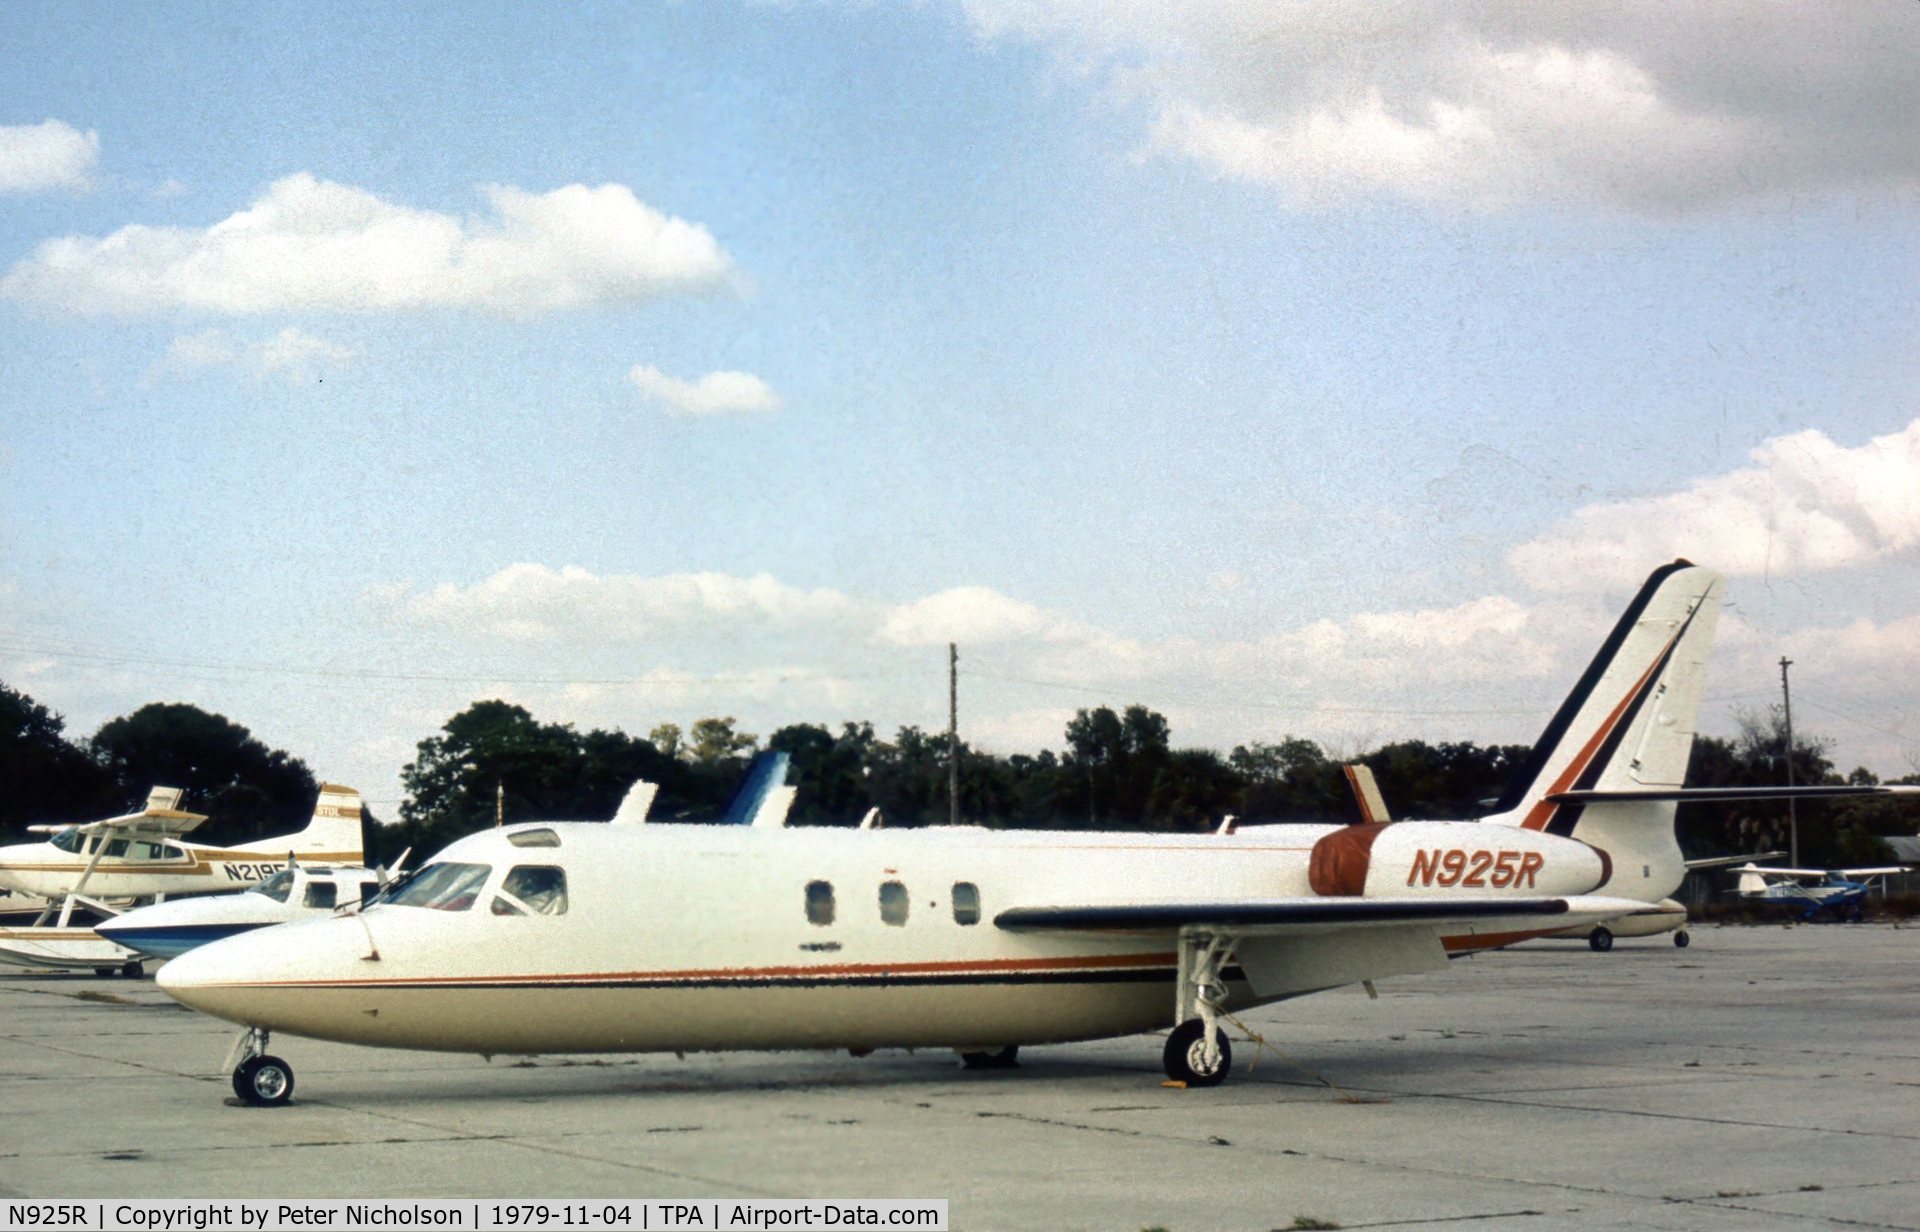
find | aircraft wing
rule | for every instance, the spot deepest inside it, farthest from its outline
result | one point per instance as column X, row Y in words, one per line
column 1282, row 916
column 152, row 821
column 1887, row 870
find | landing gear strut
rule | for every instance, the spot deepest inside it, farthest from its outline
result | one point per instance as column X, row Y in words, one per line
column 1002, row 1058
column 1197, row 1052
column 261, row 1080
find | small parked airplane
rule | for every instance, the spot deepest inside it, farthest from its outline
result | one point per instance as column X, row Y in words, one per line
column 1809, row 891
column 558, row 937
column 101, row 864
column 296, row 892
column 301, row 892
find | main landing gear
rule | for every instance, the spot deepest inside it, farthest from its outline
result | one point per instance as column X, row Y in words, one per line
column 1197, row 1051
column 261, row 1080
column 999, row 1058
column 132, row 969
column 1600, row 940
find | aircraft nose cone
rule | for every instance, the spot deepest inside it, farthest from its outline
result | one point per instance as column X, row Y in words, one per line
column 201, row 979
column 238, row 977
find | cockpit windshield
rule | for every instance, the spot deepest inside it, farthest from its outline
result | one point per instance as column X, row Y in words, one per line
column 69, row 840
column 442, row 887
column 278, row 886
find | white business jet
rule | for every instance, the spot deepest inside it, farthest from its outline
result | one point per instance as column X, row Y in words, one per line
column 539, row 938
column 100, row 865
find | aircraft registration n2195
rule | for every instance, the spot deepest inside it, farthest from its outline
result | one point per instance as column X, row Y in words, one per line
column 587, row 937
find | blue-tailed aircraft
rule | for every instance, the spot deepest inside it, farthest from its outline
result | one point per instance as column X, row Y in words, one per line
column 1807, row 892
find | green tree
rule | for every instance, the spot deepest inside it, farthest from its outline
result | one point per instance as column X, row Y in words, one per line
column 247, row 790
column 713, row 740
column 46, row 777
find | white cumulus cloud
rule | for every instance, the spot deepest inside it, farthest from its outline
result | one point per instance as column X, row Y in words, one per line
column 53, row 154
column 1806, row 504
column 1638, row 105
column 532, row 602
column 313, row 245
column 717, row 393
column 292, row 354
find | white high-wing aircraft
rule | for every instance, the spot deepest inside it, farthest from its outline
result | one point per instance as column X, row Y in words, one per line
column 1807, row 892
column 141, row 855
column 301, row 891
column 556, row 937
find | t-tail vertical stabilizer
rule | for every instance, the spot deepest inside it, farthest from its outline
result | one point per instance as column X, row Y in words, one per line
column 1627, row 726
column 332, row 837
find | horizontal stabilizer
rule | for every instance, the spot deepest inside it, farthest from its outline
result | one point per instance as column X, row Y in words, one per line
column 1724, row 861
column 1709, row 795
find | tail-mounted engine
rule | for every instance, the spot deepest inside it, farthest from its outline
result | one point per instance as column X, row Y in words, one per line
column 1419, row 859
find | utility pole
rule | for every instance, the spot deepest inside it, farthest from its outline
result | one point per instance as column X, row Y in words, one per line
column 953, row 734
column 1786, row 709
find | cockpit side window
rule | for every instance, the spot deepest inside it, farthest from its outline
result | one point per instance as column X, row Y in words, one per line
column 443, row 887
column 321, row 894
column 278, row 886
column 117, row 849
column 532, row 889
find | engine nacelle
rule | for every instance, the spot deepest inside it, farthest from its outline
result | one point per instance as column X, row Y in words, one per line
column 1422, row 859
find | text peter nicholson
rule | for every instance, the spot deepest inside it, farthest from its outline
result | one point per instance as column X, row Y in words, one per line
column 488, row 1215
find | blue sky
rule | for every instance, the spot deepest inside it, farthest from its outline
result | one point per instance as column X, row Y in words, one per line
column 1333, row 371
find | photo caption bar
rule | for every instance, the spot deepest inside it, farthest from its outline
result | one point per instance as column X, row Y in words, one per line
column 471, row 1215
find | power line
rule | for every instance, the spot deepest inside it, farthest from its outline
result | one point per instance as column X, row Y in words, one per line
column 124, row 659
column 1249, row 704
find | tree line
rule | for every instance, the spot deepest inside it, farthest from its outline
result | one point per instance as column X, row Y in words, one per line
column 1115, row 770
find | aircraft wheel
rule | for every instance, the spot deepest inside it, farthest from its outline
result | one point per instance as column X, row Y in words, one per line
column 263, row 1081
column 1186, row 1060
column 1600, row 940
column 1681, row 939
column 132, row 969
column 1003, row 1058
column 103, row 970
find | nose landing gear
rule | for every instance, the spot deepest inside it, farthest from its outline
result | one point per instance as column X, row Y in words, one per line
column 261, row 1080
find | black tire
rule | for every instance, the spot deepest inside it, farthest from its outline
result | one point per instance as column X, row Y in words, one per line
column 132, row 969
column 1600, row 940
column 103, row 970
column 1183, row 1056
column 1681, row 939
column 1003, row 1058
column 263, row 1081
